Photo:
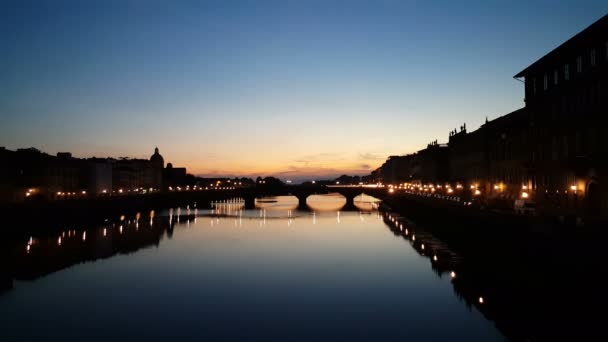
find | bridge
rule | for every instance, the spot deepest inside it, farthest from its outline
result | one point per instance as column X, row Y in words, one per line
column 301, row 192
column 99, row 208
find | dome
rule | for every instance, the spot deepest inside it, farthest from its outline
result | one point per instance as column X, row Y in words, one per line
column 157, row 159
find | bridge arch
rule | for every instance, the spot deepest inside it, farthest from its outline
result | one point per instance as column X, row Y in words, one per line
column 302, row 193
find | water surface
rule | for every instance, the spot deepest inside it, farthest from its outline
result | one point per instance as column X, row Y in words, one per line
column 303, row 275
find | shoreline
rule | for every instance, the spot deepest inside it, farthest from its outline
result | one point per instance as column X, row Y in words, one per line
column 33, row 213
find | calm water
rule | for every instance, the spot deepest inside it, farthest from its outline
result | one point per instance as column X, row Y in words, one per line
column 279, row 275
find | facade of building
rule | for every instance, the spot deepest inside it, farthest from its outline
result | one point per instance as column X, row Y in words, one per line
column 553, row 152
column 431, row 165
column 100, row 176
column 468, row 157
column 425, row 166
column 65, row 174
column 158, row 164
column 508, row 157
column 566, row 96
column 30, row 173
column 396, row 169
column 174, row 176
column 131, row 174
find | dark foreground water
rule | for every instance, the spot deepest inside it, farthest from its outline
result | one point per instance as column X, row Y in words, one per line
column 329, row 276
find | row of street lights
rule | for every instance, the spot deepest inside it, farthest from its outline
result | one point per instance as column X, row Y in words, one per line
column 475, row 190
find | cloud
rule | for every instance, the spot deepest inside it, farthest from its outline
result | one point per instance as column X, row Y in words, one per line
column 371, row 156
column 320, row 157
column 309, row 167
column 295, row 173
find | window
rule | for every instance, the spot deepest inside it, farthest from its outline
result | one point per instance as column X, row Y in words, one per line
column 566, row 72
column 592, row 57
column 555, row 76
column 579, row 64
column 545, row 82
column 606, row 51
column 591, row 145
column 534, row 86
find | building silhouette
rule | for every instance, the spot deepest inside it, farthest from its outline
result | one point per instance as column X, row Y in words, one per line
column 174, row 176
column 566, row 94
column 553, row 151
column 158, row 164
column 32, row 174
column 129, row 174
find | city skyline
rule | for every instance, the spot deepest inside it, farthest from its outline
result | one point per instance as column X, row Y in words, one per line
column 303, row 170
column 266, row 89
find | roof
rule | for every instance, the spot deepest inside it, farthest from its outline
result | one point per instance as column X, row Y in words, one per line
column 518, row 114
column 598, row 28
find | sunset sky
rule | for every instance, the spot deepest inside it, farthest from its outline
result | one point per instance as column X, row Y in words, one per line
column 295, row 89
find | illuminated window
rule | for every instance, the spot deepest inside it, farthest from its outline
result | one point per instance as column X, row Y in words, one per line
column 579, row 64
column 592, row 57
column 566, row 72
column 555, row 76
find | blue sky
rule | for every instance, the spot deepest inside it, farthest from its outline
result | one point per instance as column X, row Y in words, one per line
column 297, row 89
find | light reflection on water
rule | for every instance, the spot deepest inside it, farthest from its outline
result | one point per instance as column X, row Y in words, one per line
column 328, row 202
column 277, row 203
column 330, row 275
column 366, row 202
